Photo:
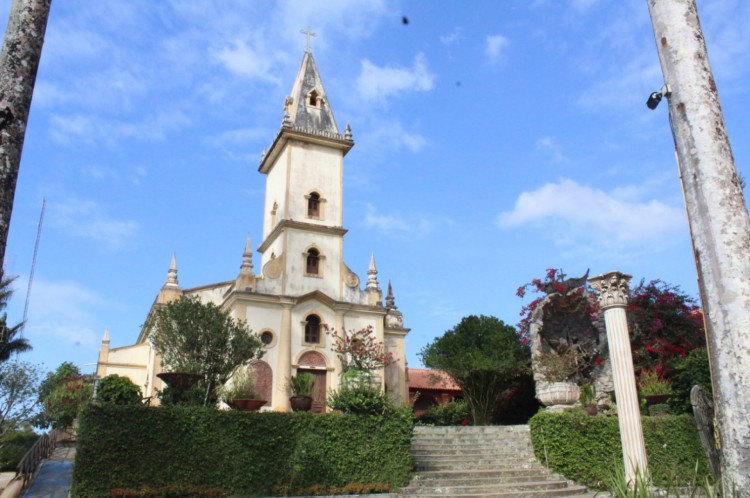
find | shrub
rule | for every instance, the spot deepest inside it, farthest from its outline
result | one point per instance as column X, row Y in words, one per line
column 587, row 449
column 251, row 453
column 360, row 398
column 116, row 390
column 67, row 400
column 454, row 412
column 13, row 446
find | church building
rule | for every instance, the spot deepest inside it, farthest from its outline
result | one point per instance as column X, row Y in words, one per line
column 304, row 282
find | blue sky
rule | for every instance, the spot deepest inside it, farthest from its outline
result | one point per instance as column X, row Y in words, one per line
column 493, row 140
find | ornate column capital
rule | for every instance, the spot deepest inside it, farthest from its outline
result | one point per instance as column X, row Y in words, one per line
column 613, row 289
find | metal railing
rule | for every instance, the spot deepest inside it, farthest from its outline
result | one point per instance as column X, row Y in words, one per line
column 42, row 448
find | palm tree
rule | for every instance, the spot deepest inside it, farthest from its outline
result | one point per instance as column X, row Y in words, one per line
column 9, row 343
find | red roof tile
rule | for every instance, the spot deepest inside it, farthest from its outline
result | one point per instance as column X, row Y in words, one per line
column 430, row 379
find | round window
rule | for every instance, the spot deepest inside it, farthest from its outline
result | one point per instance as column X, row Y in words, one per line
column 266, row 338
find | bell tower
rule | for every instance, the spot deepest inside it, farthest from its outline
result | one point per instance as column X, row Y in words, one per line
column 303, row 220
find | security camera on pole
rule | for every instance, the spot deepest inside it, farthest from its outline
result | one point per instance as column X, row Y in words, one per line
column 719, row 224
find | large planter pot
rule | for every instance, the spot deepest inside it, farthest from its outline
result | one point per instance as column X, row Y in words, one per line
column 656, row 399
column 557, row 393
column 301, row 403
column 248, row 405
column 179, row 380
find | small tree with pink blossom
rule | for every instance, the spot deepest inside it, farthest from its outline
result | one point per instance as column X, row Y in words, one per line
column 359, row 350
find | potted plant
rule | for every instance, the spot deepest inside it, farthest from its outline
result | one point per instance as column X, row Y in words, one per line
column 556, row 369
column 653, row 388
column 241, row 392
column 588, row 398
column 301, row 386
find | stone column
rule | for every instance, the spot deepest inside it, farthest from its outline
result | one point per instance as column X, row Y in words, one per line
column 284, row 364
column 613, row 298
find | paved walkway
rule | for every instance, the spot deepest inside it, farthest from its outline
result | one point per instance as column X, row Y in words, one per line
column 55, row 474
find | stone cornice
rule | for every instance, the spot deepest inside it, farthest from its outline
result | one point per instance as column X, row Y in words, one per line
column 286, row 133
column 613, row 289
column 300, row 225
column 254, row 297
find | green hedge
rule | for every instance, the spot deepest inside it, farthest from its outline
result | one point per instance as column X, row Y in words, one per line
column 249, row 453
column 13, row 446
column 588, row 450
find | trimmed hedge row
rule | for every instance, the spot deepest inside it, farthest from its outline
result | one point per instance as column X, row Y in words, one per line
column 244, row 453
column 588, row 449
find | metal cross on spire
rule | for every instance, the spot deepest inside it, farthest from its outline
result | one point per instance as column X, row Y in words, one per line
column 308, row 33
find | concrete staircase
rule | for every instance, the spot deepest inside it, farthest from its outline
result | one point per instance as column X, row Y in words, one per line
column 482, row 462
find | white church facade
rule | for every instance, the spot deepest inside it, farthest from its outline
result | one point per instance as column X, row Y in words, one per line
column 304, row 282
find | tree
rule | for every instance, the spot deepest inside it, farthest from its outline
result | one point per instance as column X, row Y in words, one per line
column 665, row 325
column 9, row 343
column 116, row 390
column 53, row 380
column 197, row 337
column 484, row 356
column 22, row 49
column 18, row 388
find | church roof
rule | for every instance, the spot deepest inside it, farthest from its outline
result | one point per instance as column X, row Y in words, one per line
column 308, row 106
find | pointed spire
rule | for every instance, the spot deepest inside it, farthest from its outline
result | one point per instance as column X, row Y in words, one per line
column 307, row 105
column 172, row 273
column 247, row 258
column 348, row 132
column 390, row 301
column 105, row 339
column 246, row 279
column 372, row 288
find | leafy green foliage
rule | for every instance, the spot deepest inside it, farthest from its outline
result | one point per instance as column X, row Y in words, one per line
column 361, row 398
column 18, row 386
column 66, row 401
column 66, row 370
column 302, row 384
column 195, row 395
column 251, row 453
column 455, row 412
column 9, row 342
column 197, row 337
column 116, row 390
column 587, row 449
column 689, row 371
column 14, row 445
column 484, row 356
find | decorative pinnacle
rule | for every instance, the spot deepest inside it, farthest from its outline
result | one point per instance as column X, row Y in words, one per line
column 172, row 273
column 372, row 279
column 287, row 121
column 348, row 132
column 105, row 339
column 390, row 301
column 247, row 258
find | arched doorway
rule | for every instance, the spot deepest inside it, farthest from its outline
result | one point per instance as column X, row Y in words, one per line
column 263, row 380
column 315, row 364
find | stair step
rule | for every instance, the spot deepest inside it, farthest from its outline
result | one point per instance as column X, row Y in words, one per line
column 482, row 462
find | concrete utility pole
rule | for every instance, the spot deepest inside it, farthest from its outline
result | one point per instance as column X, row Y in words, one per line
column 719, row 224
column 22, row 49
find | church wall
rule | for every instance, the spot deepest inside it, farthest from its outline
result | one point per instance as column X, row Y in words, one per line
column 276, row 183
column 130, row 362
column 317, row 168
column 329, row 279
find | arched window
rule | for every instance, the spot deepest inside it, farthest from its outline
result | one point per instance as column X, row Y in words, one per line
column 312, row 329
column 314, row 98
column 313, row 205
column 313, row 262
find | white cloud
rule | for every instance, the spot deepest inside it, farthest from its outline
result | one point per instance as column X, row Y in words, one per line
column 254, row 62
column 495, row 45
column 87, row 219
column 452, row 38
column 64, row 311
column 571, row 213
column 383, row 222
column 393, row 133
column 549, row 147
column 376, row 82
